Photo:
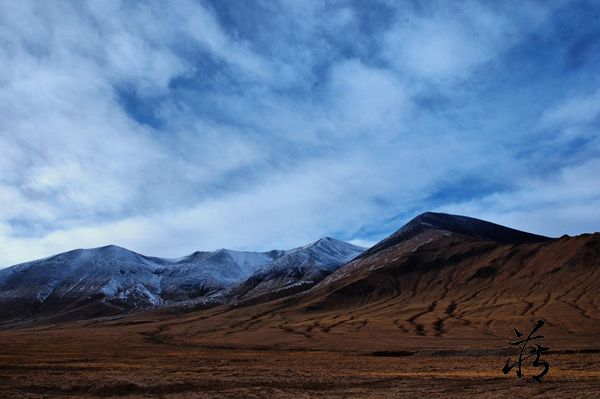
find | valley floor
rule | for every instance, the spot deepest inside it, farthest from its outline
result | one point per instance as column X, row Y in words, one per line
column 127, row 361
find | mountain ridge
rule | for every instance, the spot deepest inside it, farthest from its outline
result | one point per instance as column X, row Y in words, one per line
column 456, row 224
column 433, row 288
column 111, row 279
column 297, row 270
column 420, row 265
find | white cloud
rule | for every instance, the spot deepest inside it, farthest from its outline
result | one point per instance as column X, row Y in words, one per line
column 573, row 111
column 435, row 48
column 201, row 24
column 564, row 203
column 65, row 136
column 365, row 100
column 450, row 39
column 247, row 219
column 308, row 128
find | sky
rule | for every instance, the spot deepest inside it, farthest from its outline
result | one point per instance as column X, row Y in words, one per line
column 171, row 127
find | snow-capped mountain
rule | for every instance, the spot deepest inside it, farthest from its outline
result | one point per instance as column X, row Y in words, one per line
column 204, row 272
column 111, row 279
column 297, row 270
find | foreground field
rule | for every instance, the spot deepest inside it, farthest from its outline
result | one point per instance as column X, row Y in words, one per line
column 129, row 361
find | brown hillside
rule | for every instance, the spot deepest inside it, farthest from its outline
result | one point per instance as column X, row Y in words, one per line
column 433, row 286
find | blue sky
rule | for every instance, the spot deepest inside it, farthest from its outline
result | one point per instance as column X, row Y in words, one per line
column 169, row 128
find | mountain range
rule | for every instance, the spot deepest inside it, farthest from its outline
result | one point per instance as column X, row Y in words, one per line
column 438, row 275
column 440, row 280
column 93, row 282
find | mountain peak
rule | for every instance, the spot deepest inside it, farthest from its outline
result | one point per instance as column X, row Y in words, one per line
column 111, row 251
column 465, row 225
column 334, row 243
column 444, row 221
column 328, row 240
column 111, row 248
column 473, row 227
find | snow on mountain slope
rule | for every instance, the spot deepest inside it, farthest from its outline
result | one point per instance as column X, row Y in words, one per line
column 204, row 272
column 296, row 270
column 113, row 279
column 325, row 254
column 112, row 271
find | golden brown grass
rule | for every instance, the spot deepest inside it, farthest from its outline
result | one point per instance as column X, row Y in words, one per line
column 135, row 360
